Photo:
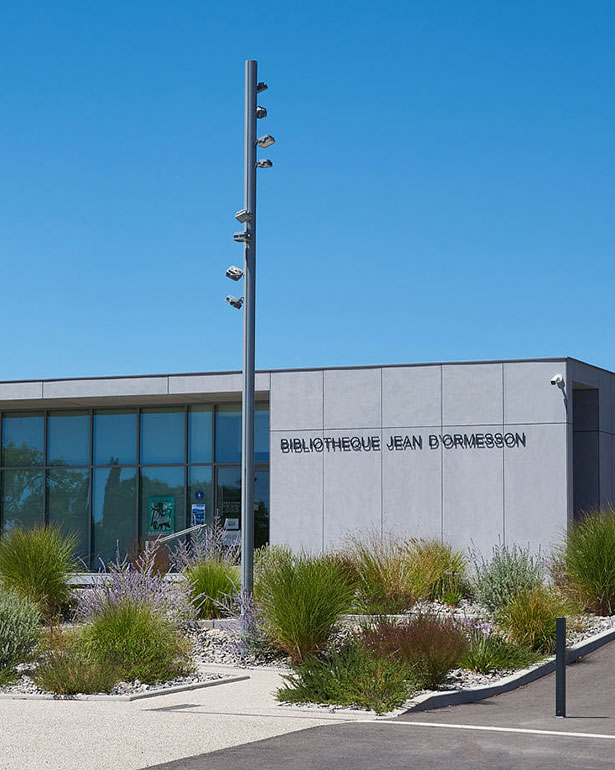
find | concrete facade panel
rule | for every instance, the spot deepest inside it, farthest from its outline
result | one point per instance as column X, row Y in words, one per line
column 205, row 383
column 411, row 396
column 472, row 394
column 297, row 494
column 297, row 400
column 547, row 403
column 411, row 484
column 19, row 391
column 120, row 386
column 352, row 489
column 536, row 499
column 352, row 398
column 472, row 493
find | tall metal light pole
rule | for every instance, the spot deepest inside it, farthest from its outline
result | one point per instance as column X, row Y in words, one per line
column 247, row 216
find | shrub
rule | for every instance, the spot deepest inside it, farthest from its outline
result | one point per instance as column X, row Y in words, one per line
column 349, row 677
column 138, row 584
column 511, row 570
column 529, row 618
column 490, row 652
column 142, row 644
column 19, row 632
column 585, row 564
column 300, row 599
column 429, row 645
column 203, row 545
column 36, row 563
column 210, row 582
column 66, row 669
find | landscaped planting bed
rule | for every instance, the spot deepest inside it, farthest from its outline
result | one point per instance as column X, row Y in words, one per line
column 370, row 625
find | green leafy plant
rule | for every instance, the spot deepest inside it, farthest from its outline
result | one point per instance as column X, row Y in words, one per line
column 584, row 565
column 19, row 632
column 66, row 669
column 528, row 619
column 300, row 600
column 510, row 570
column 430, row 646
column 211, row 581
column 36, row 563
column 143, row 645
column 350, row 676
column 491, row 652
column 437, row 571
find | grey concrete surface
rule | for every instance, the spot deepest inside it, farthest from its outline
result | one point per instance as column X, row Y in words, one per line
column 452, row 738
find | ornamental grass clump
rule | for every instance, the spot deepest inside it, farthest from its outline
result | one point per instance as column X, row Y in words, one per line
column 584, row 565
column 350, row 676
column 300, row 599
column 140, row 643
column 437, row 572
column 20, row 622
column 430, row 646
column 528, row 619
column 511, row 570
column 491, row 652
column 36, row 563
column 139, row 584
column 65, row 667
column 211, row 582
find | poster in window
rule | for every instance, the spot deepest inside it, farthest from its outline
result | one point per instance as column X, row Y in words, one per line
column 161, row 519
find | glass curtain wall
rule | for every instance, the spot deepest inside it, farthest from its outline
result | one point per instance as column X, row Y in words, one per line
column 116, row 477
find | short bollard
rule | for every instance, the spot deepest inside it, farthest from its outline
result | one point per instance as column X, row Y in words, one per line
column 560, row 667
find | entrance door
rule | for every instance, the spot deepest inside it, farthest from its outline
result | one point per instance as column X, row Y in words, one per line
column 228, row 504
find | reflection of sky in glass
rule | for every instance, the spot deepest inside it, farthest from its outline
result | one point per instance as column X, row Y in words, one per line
column 200, row 434
column 115, row 438
column 228, row 434
column 21, row 433
column 68, row 439
column 162, row 436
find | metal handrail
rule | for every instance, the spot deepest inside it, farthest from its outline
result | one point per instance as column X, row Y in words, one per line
column 179, row 534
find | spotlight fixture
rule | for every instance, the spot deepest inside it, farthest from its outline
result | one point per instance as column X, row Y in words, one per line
column 241, row 237
column 235, row 302
column 234, row 273
column 265, row 141
column 264, row 163
column 243, row 216
column 261, row 87
column 261, row 112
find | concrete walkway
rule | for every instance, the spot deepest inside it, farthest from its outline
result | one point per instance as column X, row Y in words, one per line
column 71, row 735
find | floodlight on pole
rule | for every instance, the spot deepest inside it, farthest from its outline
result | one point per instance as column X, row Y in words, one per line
column 265, row 141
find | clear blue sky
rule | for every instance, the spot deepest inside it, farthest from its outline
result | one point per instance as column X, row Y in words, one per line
column 443, row 184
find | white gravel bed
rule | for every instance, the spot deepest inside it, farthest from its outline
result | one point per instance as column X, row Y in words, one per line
column 26, row 686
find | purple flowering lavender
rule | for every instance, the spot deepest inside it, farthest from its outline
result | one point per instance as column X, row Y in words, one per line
column 204, row 545
column 138, row 584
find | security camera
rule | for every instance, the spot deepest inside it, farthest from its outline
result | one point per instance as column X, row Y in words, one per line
column 241, row 237
column 261, row 112
column 235, row 302
column 557, row 379
column 234, row 273
column 243, row 216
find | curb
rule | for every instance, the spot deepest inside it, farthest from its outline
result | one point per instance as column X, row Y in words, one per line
column 125, row 698
column 437, row 700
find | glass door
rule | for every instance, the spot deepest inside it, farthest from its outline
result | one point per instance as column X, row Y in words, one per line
column 228, row 504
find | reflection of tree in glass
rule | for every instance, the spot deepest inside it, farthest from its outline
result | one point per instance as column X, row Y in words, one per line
column 22, row 490
column 22, row 455
column 116, row 520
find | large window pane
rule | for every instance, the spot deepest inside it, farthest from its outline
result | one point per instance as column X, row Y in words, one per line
column 162, row 501
column 22, row 439
column 199, row 434
column 261, row 433
column 68, row 504
column 68, row 438
column 199, row 494
column 162, row 435
column 228, row 503
column 115, row 437
column 228, row 433
column 261, row 509
column 22, row 498
column 115, row 499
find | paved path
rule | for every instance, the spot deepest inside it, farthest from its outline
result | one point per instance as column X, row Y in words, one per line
column 94, row 735
column 514, row 730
